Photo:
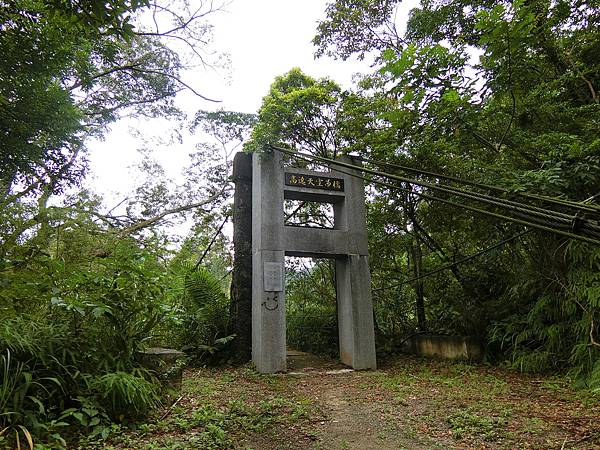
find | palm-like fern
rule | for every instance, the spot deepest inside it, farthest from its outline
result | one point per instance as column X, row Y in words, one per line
column 206, row 322
column 202, row 288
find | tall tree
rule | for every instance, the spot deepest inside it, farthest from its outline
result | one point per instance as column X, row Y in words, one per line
column 301, row 112
column 503, row 93
column 70, row 69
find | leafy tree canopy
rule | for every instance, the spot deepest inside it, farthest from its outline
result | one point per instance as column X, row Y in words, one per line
column 357, row 27
column 69, row 69
column 301, row 112
column 504, row 93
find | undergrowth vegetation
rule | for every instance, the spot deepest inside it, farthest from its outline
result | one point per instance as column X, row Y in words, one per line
column 205, row 331
column 70, row 339
column 477, row 105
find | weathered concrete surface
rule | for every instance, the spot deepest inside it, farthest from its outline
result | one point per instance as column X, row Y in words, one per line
column 268, row 306
column 350, row 215
column 445, row 347
column 314, row 242
column 353, row 278
column 271, row 241
column 163, row 361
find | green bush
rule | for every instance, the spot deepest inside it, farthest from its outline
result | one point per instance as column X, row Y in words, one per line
column 69, row 349
column 550, row 326
column 126, row 395
column 16, row 385
column 313, row 329
column 38, row 376
column 21, row 402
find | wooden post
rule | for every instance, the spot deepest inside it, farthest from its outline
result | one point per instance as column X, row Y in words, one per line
column 241, row 281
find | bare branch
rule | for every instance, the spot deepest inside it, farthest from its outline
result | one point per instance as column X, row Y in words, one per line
column 184, row 22
column 152, row 220
column 173, row 77
column 105, row 73
column 133, row 103
column 592, row 340
column 591, row 88
column 192, row 48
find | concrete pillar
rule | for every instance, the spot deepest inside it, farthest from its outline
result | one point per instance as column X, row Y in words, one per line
column 353, row 278
column 355, row 312
column 268, row 296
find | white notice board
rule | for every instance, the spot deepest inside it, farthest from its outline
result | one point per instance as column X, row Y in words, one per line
column 273, row 276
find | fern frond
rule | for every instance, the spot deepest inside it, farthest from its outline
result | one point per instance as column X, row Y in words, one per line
column 203, row 288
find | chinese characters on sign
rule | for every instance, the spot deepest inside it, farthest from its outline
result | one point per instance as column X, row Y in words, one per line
column 273, row 276
column 312, row 181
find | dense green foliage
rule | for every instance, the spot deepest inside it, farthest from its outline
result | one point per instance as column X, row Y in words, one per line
column 300, row 111
column 501, row 93
column 82, row 290
column 204, row 329
column 69, row 338
column 76, row 314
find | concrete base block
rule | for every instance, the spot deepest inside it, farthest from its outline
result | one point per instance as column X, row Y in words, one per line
column 163, row 361
column 445, row 347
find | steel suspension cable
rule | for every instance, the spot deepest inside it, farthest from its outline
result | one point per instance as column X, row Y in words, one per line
column 562, row 202
column 567, row 220
column 456, row 263
column 212, row 241
column 326, row 162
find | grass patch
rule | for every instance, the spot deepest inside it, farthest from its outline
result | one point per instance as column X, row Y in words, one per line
column 468, row 423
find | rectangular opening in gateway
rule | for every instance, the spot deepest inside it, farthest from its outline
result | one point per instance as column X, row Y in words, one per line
column 303, row 213
column 311, row 312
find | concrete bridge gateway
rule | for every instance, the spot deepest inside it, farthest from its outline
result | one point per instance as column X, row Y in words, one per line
column 272, row 183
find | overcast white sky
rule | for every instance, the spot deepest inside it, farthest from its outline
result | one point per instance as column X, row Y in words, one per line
column 264, row 38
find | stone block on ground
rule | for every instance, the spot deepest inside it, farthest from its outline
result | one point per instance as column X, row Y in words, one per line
column 445, row 347
column 164, row 362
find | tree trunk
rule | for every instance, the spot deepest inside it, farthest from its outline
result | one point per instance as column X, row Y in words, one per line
column 420, row 303
column 241, row 282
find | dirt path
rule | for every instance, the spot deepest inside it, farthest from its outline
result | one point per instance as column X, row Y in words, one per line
column 406, row 404
column 353, row 424
column 440, row 405
column 355, row 417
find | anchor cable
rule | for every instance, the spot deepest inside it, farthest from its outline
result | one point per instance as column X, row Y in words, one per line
column 528, row 215
column 558, row 201
column 456, row 263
